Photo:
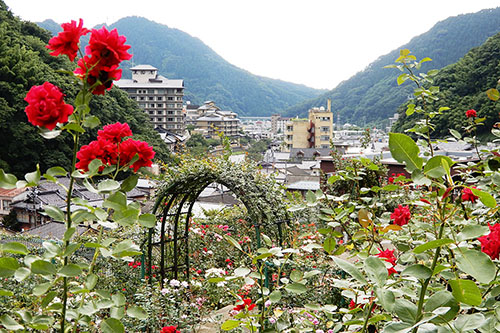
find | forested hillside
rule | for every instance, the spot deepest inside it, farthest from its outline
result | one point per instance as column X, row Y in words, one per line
column 207, row 76
column 24, row 62
column 462, row 87
column 372, row 95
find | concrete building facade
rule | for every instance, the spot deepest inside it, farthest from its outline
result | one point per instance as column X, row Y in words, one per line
column 159, row 97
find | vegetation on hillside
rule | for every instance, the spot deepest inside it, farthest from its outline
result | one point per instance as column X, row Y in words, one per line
column 372, row 96
column 24, row 62
column 206, row 75
column 463, row 86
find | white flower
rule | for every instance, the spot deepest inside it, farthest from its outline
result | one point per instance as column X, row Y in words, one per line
column 267, row 304
column 184, row 284
column 174, row 283
column 164, row 291
column 221, row 284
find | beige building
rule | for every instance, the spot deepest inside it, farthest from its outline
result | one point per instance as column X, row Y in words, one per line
column 314, row 132
column 211, row 120
column 159, row 97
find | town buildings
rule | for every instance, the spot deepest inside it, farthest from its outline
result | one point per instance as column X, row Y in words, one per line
column 159, row 97
column 316, row 131
column 209, row 120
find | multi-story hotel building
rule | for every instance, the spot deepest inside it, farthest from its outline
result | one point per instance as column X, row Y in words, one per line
column 314, row 132
column 159, row 97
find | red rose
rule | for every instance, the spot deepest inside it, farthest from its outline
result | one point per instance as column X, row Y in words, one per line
column 467, row 195
column 129, row 148
column 170, row 329
column 115, row 132
column 490, row 243
column 46, row 106
column 66, row 42
column 247, row 302
column 108, row 47
column 388, row 255
column 401, row 215
column 471, row 113
column 391, row 180
column 99, row 149
column 91, row 69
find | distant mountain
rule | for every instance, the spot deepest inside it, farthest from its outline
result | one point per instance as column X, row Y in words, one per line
column 207, row 76
column 462, row 87
column 372, row 95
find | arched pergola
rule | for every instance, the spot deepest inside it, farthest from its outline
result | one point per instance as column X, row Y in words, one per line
column 260, row 194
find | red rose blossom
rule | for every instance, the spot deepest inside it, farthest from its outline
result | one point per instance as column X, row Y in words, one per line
column 490, row 243
column 90, row 69
column 170, row 329
column 100, row 149
column 467, row 195
column 388, row 255
column 130, row 147
column 46, row 106
column 108, row 47
column 66, row 42
column 247, row 302
column 401, row 215
column 115, row 132
column 471, row 113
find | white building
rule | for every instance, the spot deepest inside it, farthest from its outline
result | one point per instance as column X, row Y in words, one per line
column 159, row 97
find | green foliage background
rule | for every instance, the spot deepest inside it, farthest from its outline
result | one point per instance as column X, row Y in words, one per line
column 24, row 62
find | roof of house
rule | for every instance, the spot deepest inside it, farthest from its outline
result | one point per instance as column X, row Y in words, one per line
column 159, row 82
column 304, row 185
column 53, row 230
column 143, row 67
column 11, row 193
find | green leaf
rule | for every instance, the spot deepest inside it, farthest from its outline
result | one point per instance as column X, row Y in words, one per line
column 444, row 299
column 116, row 201
column 4, row 292
column 230, row 324
column 386, row 298
column 418, row 271
column 126, row 248
column 329, row 244
column 48, row 298
column 8, row 266
column 130, row 183
column 296, row 288
column 402, row 78
column 70, row 270
column 410, row 110
column 466, row 291
column 137, row 312
column 147, row 220
column 405, row 150
column 57, row 171
column 21, row 274
column 69, row 233
column 275, row 296
column 72, row 248
column 41, row 289
column 33, row 178
column 350, row 268
column 74, row 127
column 91, row 122
column 432, row 245
column 493, row 94
column 438, row 166
column 296, row 275
column 7, row 180
column 485, row 198
column 108, row 185
column 42, row 267
column 455, row 134
column 54, row 212
column 112, row 325
column 91, row 281
column 477, row 264
column 472, row 232
column 126, row 217
column 119, row 299
column 241, row 271
column 469, row 322
column 419, row 179
column 49, row 135
column 233, row 241
column 14, row 247
column 310, row 197
column 10, row 323
column 405, row 310
column 376, row 270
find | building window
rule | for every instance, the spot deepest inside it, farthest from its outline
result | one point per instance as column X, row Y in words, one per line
column 325, row 119
column 325, row 138
column 325, row 129
column 170, row 119
column 170, row 112
column 159, row 112
column 170, row 98
column 151, row 112
column 159, row 105
column 158, row 98
column 179, row 98
column 289, row 128
column 152, row 105
column 170, row 105
column 141, row 98
column 151, row 98
column 6, row 204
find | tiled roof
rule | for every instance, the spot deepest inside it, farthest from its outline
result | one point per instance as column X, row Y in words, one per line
column 12, row 192
column 53, row 230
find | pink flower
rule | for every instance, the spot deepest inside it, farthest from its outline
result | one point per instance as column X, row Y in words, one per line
column 401, row 215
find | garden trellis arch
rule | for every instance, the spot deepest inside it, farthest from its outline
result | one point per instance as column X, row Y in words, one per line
column 260, row 194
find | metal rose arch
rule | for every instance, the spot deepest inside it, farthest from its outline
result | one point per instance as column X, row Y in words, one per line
column 260, row 194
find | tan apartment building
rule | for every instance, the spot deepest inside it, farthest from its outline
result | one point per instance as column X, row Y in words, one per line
column 316, row 131
column 211, row 120
column 159, row 97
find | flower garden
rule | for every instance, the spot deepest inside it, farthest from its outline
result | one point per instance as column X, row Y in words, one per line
column 412, row 252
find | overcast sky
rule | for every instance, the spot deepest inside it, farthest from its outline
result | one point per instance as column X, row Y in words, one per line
column 318, row 43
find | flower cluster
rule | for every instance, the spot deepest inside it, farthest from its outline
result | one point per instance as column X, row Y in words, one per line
column 467, row 195
column 170, row 329
column 103, row 55
column 393, row 177
column 490, row 243
column 401, row 215
column 388, row 255
column 471, row 113
column 110, row 149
